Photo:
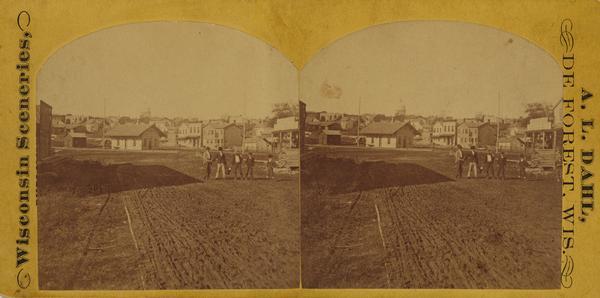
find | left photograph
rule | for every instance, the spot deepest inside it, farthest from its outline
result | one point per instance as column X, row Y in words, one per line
column 167, row 158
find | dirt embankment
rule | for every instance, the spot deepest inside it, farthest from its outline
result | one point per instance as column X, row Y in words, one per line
column 89, row 177
column 341, row 175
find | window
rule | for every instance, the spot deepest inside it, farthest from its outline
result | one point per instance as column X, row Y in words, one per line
column 134, row 142
column 388, row 141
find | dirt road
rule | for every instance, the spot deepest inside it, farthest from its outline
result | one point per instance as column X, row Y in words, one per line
column 456, row 234
column 216, row 234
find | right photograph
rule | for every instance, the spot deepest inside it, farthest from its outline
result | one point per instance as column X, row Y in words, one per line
column 430, row 158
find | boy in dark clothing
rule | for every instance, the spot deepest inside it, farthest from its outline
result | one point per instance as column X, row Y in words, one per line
column 270, row 166
column 522, row 166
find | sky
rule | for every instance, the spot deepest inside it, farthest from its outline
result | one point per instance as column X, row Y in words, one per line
column 432, row 68
column 173, row 69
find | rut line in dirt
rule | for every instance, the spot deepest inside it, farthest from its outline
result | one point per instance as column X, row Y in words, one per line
column 385, row 263
column 130, row 227
column 167, row 238
column 333, row 265
column 229, row 256
column 141, row 271
column 411, row 261
column 168, row 215
column 213, row 264
column 499, row 277
column 395, row 257
column 163, row 213
column 150, row 232
column 416, row 238
column 91, row 233
column 150, row 268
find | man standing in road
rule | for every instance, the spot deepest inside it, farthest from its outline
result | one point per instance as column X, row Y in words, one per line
column 522, row 166
column 458, row 158
column 489, row 164
column 250, row 166
column 472, row 158
column 270, row 165
column 208, row 161
column 237, row 165
column 221, row 162
column 501, row 165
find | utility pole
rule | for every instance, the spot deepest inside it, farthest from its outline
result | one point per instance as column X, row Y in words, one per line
column 103, row 125
column 244, row 125
column 358, row 125
column 498, row 125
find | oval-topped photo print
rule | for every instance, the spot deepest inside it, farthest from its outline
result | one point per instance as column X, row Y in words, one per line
column 168, row 159
column 431, row 159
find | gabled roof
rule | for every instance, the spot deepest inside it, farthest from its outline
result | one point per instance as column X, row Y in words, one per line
column 442, row 121
column 328, row 123
column 57, row 123
column 77, row 135
column 131, row 130
column 511, row 138
column 386, row 128
column 473, row 124
column 332, row 132
column 218, row 125
column 192, row 123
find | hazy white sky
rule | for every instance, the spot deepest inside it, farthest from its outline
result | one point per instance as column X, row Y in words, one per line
column 434, row 68
column 172, row 68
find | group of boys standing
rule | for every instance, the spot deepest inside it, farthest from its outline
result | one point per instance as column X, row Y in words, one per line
column 242, row 165
column 491, row 161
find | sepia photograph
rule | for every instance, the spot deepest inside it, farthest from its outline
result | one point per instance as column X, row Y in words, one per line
column 431, row 159
column 168, row 158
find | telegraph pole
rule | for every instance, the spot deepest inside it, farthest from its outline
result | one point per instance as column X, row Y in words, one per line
column 244, row 125
column 103, row 125
column 358, row 125
column 498, row 125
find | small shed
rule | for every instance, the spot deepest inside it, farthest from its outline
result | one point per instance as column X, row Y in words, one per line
column 389, row 134
column 76, row 140
column 135, row 137
column 330, row 137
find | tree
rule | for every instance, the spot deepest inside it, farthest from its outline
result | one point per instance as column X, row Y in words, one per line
column 537, row 110
column 124, row 120
column 282, row 110
column 379, row 118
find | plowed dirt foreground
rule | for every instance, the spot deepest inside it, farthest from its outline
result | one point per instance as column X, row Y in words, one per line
column 216, row 234
column 475, row 233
